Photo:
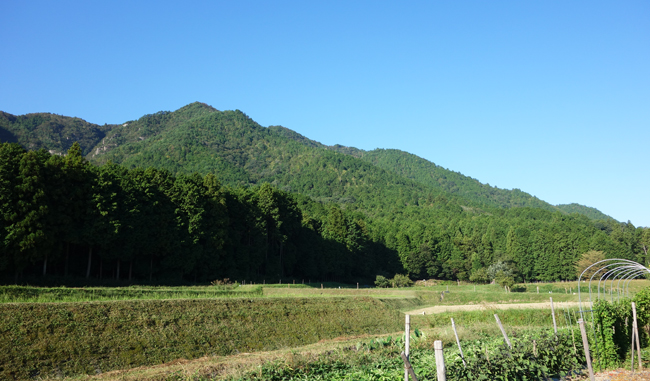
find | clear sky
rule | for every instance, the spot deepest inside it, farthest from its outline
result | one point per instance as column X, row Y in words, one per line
column 551, row 97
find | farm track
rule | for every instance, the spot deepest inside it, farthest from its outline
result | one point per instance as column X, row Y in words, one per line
column 489, row 306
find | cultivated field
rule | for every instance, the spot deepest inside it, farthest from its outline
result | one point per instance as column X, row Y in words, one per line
column 271, row 332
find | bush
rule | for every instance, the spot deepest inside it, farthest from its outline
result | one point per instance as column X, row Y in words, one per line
column 401, row 281
column 480, row 276
column 382, row 282
column 503, row 279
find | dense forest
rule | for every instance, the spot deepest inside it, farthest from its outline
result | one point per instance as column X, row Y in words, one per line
column 199, row 194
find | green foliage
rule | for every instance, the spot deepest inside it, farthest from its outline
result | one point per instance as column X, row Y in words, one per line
column 382, row 281
column 400, row 280
column 591, row 213
column 24, row 294
column 486, row 360
column 82, row 338
column 282, row 206
column 613, row 327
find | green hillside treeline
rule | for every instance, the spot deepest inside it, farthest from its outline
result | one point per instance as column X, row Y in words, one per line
column 199, row 194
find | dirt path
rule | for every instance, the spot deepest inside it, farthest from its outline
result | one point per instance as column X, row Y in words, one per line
column 490, row 306
column 622, row 375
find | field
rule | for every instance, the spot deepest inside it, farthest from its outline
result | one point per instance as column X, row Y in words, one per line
column 276, row 331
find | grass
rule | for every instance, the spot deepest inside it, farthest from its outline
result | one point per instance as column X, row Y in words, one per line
column 449, row 294
column 45, row 339
column 26, row 294
column 153, row 325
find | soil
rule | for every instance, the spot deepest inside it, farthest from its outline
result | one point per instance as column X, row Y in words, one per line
column 622, row 375
column 489, row 306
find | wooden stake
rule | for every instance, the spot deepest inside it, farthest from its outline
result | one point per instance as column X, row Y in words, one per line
column 409, row 368
column 503, row 331
column 407, row 343
column 440, row 361
column 453, row 325
column 635, row 327
column 585, row 343
column 632, row 350
column 553, row 313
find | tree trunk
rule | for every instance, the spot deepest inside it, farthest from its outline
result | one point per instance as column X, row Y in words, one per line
column 45, row 265
column 101, row 268
column 150, row 268
column 67, row 256
column 90, row 257
column 281, row 269
column 130, row 269
column 117, row 275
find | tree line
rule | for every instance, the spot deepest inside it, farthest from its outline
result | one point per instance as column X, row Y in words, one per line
column 61, row 215
column 64, row 216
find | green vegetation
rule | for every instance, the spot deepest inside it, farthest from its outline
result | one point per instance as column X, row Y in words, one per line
column 47, row 339
column 22, row 294
column 613, row 328
column 487, row 359
column 200, row 194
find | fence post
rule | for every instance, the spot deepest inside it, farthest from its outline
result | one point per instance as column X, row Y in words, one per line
column 407, row 344
column 585, row 343
column 635, row 327
column 409, row 368
column 440, row 361
column 503, row 331
column 538, row 289
column 553, row 313
column 453, row 325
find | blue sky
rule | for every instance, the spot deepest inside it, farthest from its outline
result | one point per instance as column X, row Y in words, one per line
column 551, row 97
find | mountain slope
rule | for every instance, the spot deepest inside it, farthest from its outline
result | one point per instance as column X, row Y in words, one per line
column 240, row 151
column 592, row 213
column 53, row 132
column 200, row 138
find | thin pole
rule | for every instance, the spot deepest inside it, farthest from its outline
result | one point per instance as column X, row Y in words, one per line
column 407, row 344
column 553, row 313
column 409, row 368
column 635, row 327
column 632, row 349
column 585, row 343
column 503, row 331
column 453, row 325
column 441, row 371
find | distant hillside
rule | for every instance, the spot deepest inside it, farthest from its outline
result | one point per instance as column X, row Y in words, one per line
column 427, row 173
column 434, row 222
column 592, row 213
column 53, row 132
column 200, row 138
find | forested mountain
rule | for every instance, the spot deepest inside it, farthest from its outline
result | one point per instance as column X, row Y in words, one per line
column 199, row 138
column 590, row 212
column 54, row 133
column 278, row 205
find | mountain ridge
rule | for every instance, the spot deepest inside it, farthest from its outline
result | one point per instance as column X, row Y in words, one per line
column 200, row 138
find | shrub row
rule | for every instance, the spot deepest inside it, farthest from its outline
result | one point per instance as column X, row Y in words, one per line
column 613, row 328
column 84, row 338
